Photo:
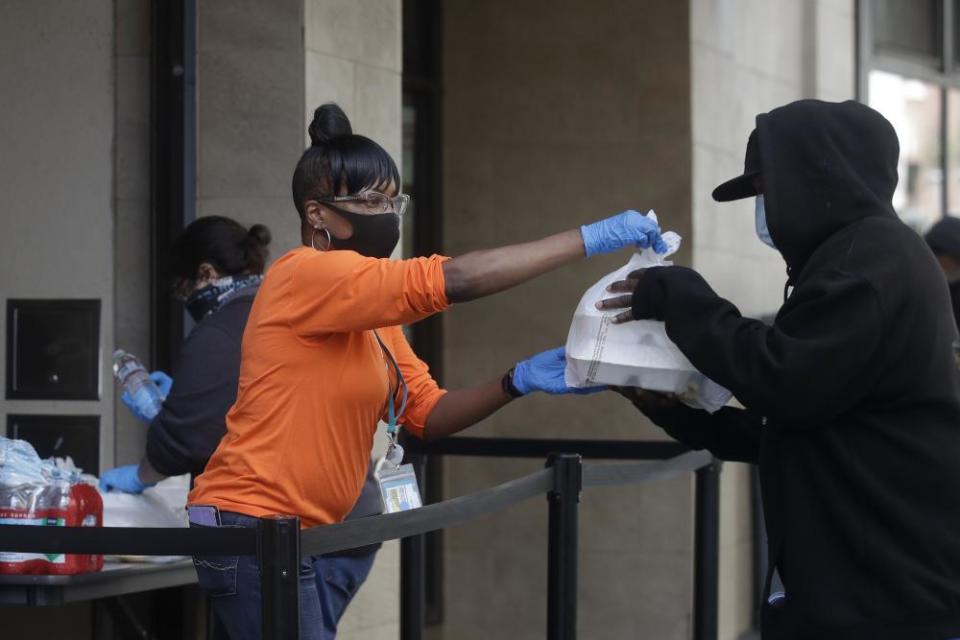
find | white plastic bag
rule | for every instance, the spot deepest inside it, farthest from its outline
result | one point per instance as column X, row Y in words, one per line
column 162, row 505
column 634, row 354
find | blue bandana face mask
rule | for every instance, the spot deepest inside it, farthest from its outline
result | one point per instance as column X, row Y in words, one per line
column 205, row 301
column 760, row 220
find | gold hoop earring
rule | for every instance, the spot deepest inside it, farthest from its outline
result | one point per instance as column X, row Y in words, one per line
column 314, row 235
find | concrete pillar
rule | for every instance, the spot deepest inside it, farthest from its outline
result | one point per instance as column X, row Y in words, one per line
column 57, row 178
column 57, row 171
column 131, row 201
column 250, row 88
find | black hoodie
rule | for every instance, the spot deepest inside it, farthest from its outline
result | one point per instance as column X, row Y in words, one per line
column 852, row 396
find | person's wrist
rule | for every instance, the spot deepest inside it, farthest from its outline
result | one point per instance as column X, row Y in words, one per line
column 142, row 484
column 508, row 385
column 588, row 233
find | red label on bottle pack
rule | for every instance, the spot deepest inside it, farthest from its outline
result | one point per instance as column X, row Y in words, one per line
column 82, row 507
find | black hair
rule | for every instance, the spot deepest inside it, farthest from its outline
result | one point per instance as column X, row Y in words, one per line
column 339, row 160
column 944, row 237
column 224, row 243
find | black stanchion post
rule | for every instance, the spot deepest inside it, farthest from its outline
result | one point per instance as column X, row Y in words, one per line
column 413, row 575
column 412, row 592
column 278, row 553
column 706, row 552
column 562, row 546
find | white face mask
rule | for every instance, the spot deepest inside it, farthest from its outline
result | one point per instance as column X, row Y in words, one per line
column 760, row 220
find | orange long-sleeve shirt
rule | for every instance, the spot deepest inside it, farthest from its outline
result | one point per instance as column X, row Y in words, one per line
column 314, row 382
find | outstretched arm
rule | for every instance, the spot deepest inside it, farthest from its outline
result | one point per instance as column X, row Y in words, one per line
column 462, row 408
column 777, row 371
column 432, row 413
column 730, row 434
column 483, row 273
column 340, row 291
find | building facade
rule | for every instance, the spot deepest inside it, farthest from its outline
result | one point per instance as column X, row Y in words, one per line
column 510, row 120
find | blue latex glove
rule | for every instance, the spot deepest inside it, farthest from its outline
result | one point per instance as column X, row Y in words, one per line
column 143, row 407
column 125, row 479
column 626, row 229
column 137, row 408
column 544, row 372
column 163, row 382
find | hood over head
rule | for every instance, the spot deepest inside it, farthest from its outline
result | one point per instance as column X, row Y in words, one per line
column 824, row 166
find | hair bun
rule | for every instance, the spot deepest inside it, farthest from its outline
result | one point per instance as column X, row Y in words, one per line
column 329, row 123
column 259, row 234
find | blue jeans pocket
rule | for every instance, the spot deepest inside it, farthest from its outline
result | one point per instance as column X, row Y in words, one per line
column 346, row 582
column 217, row 574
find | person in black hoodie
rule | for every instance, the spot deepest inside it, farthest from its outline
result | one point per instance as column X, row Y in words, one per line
column 943, row 239
column 852, row 400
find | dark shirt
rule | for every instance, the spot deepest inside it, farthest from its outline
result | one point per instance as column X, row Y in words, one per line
column 182, row 437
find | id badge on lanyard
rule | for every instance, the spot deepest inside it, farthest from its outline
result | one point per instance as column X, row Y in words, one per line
column 399, row 490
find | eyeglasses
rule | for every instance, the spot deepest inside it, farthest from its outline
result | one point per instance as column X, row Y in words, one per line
column 374, row 202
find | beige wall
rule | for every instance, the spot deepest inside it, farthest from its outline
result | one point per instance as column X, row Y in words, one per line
column 56, row 167
column 250, row 88
column 558, row 114
column 746, row 58
column 57, row 181
column 131, row 201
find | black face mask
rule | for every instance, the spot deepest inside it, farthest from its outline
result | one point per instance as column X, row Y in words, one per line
column 374, row 236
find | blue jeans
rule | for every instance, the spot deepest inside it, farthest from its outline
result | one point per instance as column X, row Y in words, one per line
column 327, row 584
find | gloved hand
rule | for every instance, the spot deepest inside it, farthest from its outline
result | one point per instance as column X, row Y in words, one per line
column 544, row 372
column 125, row 479
column 163, row 382
column 629, row 228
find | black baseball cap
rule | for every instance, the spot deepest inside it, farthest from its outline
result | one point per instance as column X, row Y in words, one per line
column 742, row 186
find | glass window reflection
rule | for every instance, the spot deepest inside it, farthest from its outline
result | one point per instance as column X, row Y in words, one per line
column 913, row 107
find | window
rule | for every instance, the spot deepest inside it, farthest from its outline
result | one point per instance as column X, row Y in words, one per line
column 909, row 70
column 908, row 28
column 913, row 107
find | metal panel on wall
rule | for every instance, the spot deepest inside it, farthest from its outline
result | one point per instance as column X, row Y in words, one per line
column 53, row 350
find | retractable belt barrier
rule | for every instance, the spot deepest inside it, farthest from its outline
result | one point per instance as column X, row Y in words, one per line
column 276, row 536
column 150, row 541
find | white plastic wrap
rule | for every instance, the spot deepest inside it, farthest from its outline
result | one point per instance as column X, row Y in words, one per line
column 49, row 492
column 634, row 354
column 162, row 505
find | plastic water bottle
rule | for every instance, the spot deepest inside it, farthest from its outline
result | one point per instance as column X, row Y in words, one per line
column 135, row 380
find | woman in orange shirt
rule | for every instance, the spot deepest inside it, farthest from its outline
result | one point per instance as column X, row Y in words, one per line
column 324, row 357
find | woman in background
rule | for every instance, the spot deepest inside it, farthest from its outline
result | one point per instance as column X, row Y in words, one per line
column 217, row 266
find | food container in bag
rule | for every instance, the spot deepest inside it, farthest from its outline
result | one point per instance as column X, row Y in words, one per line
column 634, row 354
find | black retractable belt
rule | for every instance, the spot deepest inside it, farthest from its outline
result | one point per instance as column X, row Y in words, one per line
column 127, row 541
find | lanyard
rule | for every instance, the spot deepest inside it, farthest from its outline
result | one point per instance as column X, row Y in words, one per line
column 392, row 413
